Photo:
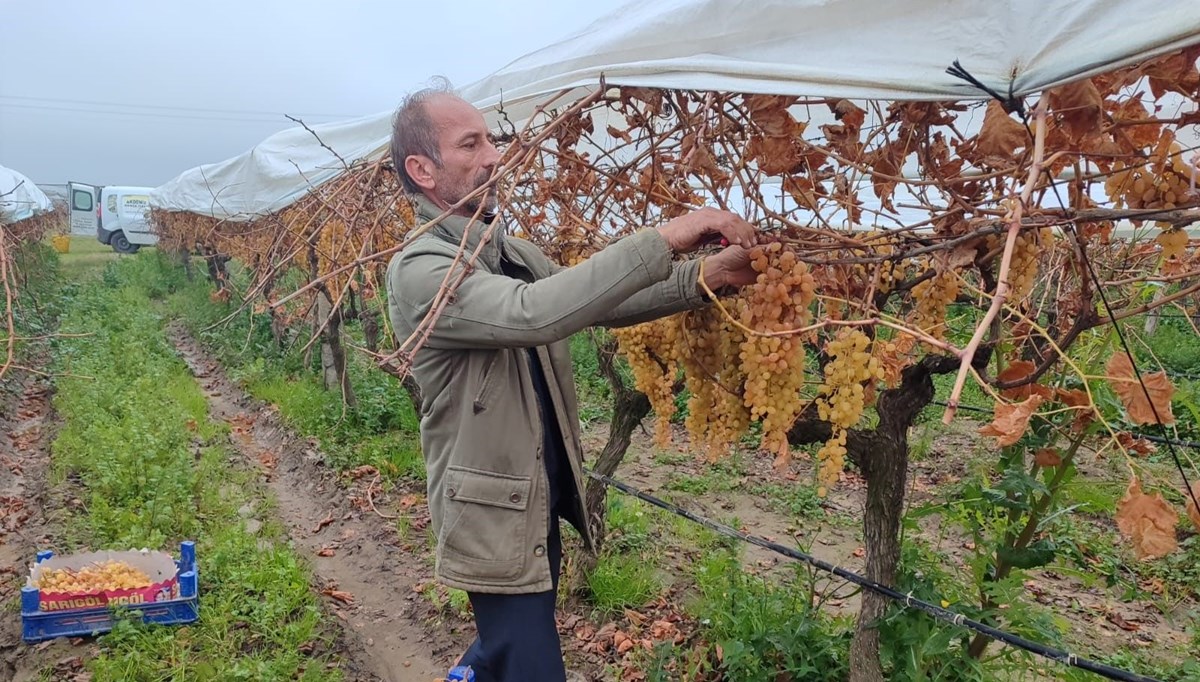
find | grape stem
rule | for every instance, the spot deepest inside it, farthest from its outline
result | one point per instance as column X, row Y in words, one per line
column 1003, row 286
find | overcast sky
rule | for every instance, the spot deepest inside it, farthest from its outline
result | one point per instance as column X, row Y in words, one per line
column 135, row 92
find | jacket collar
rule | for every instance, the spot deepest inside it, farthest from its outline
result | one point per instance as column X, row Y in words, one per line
column 451, row 228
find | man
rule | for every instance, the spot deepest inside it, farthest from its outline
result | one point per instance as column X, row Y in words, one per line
column 499, row 421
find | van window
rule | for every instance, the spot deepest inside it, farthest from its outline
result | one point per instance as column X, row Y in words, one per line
column 82, row 200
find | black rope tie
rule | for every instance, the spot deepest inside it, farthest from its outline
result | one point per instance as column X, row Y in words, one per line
column 937, row 612
column 1011, row 103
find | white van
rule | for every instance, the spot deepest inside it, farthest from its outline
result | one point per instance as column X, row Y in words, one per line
column 118, row 215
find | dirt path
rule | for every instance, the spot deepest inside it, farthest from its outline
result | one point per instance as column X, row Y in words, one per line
column 359, row 561
column 26, row 421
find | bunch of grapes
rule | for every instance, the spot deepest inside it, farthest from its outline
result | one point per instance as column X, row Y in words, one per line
column 716, row 414
column 653, row 350
column 933, row 298
column 774, row 365
column 98, row 577
column 1024, row 267
column 843, row 396
column 1163, row 183
column 1173, row 242
column 882, row 275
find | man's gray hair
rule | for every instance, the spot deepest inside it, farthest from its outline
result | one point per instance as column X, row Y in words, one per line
column 413, row 132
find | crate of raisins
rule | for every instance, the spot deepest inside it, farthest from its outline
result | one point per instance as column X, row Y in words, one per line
column 76, row 595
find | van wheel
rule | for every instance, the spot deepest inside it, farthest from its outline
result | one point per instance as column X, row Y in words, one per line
column 121, row 244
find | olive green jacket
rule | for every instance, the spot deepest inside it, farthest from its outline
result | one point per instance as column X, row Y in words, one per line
column 481, row 431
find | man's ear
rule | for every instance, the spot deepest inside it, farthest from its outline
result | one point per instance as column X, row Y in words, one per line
column 420, row 170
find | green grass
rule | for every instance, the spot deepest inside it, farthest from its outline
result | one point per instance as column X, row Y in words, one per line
column 136, row 445
column 622, row 581
column 765, row 630
column 795, row 499
column 86, row 257
column 382, row 431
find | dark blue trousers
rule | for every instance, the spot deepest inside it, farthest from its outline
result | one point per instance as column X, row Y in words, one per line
column 518, row 639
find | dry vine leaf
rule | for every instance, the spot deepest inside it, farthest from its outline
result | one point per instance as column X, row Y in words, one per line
column 1192, row 512
column 1138, row 446
column 1147, row 520
column 1000, row 135
column 1127, row 388
column 1078, row 106
column 1012, row 420
column 1047, row 457
column 1077, row 398
column 1016, row 371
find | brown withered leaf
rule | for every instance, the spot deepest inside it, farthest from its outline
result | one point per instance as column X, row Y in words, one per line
column 884, row 161
column 1119, row 621
column 1148, row 521
column 1078, row 106
column 1000, row 135
column 1011, row 420
column 1016, row 371
column 1047, row 457
column 1125, row 384
column 622, row 135
column 849, row 114
column 344, row 597
column 1138, row 446
column 1192, row 512
column 1077, row 398
column 775, row 155
column 770, row 113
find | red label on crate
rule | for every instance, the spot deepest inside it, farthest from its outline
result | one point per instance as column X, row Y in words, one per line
column 157, row 566
column 143, row 595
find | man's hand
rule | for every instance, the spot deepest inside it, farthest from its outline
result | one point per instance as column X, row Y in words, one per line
column 686, row 233
column 729, row 267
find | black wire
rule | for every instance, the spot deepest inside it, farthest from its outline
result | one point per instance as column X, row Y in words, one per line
column 933, row 610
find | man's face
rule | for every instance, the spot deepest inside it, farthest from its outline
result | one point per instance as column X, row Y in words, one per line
column 468, row 155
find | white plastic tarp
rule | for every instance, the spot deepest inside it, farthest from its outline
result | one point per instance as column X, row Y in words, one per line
column 19, row 197
column 858, row 49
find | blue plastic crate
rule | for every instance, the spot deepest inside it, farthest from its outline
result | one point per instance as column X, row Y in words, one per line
column 38, row 625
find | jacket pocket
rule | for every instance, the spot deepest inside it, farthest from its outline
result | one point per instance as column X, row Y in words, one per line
column 484, row 537
column 487, row 383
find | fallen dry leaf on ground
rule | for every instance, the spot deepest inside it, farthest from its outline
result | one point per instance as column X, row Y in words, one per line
column 344, row 597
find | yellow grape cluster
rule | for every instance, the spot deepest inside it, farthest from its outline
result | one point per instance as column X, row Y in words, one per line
column 883, row 274
column 717, row 416
column 933, row 297
column 1024, row 267
column 653, row 351
column 1141, row 187
column 1173, row 242
column 843, row 396
column 101, row 576
column 778, row 301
